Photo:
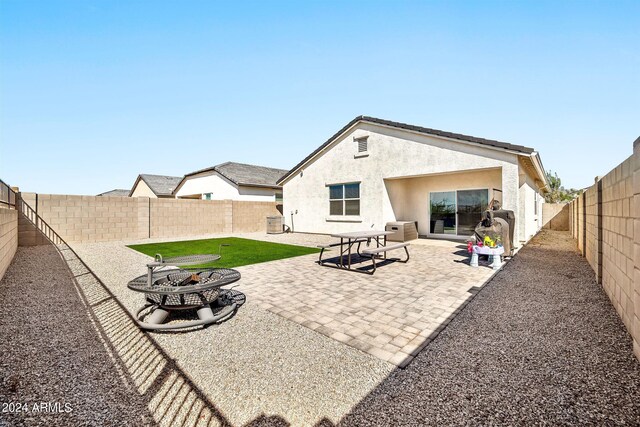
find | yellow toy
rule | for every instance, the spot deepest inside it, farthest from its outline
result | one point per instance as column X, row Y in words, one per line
column 488, row 242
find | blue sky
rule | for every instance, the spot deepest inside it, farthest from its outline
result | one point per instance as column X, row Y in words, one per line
column 93, row 93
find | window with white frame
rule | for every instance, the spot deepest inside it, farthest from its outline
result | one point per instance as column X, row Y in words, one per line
column 344, row 199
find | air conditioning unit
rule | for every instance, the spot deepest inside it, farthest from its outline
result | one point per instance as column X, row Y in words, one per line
column 275, row 224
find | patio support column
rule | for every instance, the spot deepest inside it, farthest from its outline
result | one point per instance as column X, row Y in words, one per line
column 511, row 198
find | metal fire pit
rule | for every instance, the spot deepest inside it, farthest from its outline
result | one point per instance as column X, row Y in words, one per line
column 172, row 289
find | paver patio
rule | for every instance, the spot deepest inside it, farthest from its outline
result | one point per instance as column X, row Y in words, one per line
column 392, row 314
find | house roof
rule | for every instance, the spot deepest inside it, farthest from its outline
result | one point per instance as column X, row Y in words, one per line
column 366, row 119
column 161, row 185
column 244, row 174
column 117, row 192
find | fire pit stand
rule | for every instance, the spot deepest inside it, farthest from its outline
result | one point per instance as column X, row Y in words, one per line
column 172, row 289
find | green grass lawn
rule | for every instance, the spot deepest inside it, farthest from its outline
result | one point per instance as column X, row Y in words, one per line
column 239, row 252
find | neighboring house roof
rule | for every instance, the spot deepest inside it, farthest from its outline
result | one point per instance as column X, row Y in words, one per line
column 243, row 174
column 117, row 192
column 161, row 185
column 520, row 149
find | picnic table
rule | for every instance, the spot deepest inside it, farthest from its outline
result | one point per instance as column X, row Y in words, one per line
column 349, row 239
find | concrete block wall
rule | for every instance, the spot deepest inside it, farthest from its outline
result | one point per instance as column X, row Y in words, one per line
column 252, row 216
column 591, row 217
column 28, row 234
column 582, row 224
column 618, row 241
column 99, row 219
column 183, row 217
column 605, row 221
column 8, row 238
column 90, row 218
column 555, row 216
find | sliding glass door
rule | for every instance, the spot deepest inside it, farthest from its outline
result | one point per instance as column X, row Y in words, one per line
column 471, row 204
column 457, row 212
column 443, row 212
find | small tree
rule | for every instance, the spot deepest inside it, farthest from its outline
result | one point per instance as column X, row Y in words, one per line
column 557, row 193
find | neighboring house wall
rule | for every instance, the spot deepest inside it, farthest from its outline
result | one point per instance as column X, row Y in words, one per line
column 8, row 238
column 143, row 190
column 100, row 218
column 392, row 153
column 221, row 188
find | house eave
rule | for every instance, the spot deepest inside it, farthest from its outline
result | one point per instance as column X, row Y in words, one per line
column 362, row 119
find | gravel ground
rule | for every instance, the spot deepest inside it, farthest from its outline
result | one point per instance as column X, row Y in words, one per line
column 540, row 344
column 51, row 352
column 256, row 368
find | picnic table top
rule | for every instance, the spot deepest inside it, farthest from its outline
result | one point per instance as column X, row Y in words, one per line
column 361, row 234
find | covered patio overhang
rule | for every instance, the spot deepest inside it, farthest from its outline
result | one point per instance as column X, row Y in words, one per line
column 445, row 205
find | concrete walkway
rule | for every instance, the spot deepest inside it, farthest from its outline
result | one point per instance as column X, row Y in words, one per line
column 539, row 345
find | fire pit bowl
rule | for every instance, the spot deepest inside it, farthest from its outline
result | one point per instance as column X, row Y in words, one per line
column 179, row 289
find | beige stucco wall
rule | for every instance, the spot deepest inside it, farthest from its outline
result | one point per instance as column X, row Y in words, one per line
column 392, row 153
column 530, row 206
column 143, row 190
column 100, row 218
column 608, row 235
column 410, row 196
column 8, row 238
column 222, row 189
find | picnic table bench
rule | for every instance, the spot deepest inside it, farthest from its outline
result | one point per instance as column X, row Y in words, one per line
column 372, row 252
column 347, row 240
column 333, row 245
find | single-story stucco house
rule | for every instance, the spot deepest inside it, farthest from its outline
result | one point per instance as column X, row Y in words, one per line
column 154, row 186
column 374, row 171
column 232, row 181
column 118, row 192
